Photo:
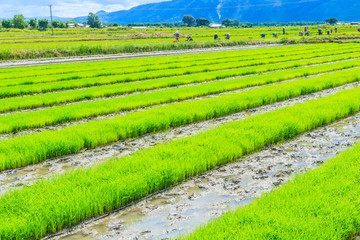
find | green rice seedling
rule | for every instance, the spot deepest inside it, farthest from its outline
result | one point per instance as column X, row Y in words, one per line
column 321, row 204
column 157, row 71
column 48, row 70
column 63, row 114
column 254, row 54
column 11, row 104
column 212, row 75
column 24, row 150
column 62, row 201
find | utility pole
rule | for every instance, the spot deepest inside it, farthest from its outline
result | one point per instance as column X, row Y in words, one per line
column 52, row 29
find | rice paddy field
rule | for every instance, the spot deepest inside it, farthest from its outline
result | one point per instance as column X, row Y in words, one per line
column 33, row 44
column 255, row 143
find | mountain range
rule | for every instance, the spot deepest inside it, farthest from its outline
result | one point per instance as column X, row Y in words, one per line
column 242, row 10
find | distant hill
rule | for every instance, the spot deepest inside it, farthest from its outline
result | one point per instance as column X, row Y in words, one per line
column 54, row 18
column 243, row 10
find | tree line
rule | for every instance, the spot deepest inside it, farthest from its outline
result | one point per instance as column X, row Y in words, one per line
column 93, row 21
column 190, row 21
column 19, row 22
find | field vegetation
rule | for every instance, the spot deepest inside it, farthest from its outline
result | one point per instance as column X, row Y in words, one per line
column 322, row 204
column 65, row 200
column 51, row 112
column 211, row 72
column 32, row 44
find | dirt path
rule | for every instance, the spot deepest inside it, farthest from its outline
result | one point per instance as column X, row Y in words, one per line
column 50, row 61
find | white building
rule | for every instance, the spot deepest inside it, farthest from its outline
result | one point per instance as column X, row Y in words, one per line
column 215, row 25
column 138, row 27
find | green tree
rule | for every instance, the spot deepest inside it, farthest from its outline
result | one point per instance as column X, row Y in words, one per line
column 331, row 21
column 202, row 22
column 58, row 24
column 168, row 25
column 43, row 24
column 93, row 20
column 33, row 23
column 227, row 22
column 6, row 24
column 19, row 22
column 189, row 20
column 236, row 23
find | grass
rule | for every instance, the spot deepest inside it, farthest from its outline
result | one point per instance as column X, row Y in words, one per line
column 29, row 149
column 62, row 201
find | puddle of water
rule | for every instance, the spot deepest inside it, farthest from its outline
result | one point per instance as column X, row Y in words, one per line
column 132, row 217
column 342, row 126
column 246, row 180
column 79, row 236
column 43, row 170
column 300, row 164
column 159, row 201
column 304, row 143
column 303, row 154
column 228, row 176
column 194, row 190
column 233, row 204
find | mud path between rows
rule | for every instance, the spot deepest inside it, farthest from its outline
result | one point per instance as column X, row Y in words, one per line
column 94, row 58
column 16, row 178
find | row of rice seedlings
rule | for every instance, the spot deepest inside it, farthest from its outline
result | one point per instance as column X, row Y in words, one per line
column 142, row 62
column 207, row 76
column 28, row 149
column 192, row 63
column 11, row 104
column 158, row 71
column 65, row 200
column 120, row 71
column 63, row 114
column 321, row 204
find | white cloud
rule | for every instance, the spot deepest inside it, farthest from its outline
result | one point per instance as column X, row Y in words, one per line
column 65, row 8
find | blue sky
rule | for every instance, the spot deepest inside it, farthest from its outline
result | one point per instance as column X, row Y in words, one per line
column 64, row 8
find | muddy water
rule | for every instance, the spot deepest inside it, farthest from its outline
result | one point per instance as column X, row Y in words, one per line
column 181, row 209
column 25, row 176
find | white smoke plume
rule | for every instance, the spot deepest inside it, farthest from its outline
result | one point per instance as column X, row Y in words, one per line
column 218, row 8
